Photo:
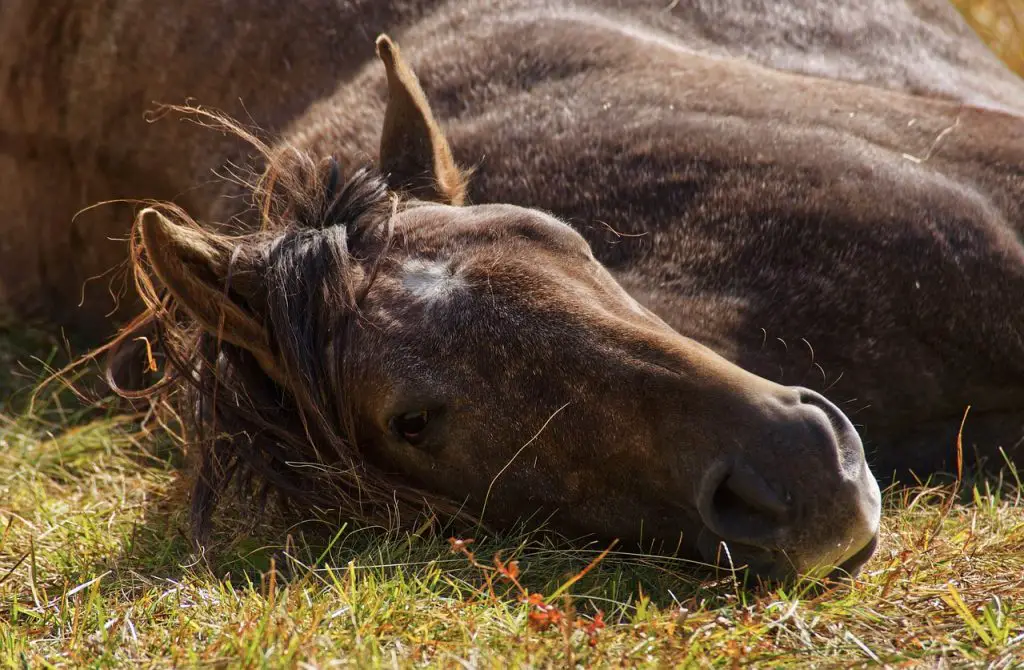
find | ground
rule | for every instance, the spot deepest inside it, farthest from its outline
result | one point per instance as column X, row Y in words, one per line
column 96, row 569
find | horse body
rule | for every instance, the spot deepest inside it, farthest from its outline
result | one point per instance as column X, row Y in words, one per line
column 825, row 197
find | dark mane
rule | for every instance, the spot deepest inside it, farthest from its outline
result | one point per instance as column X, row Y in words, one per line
column 243, row 427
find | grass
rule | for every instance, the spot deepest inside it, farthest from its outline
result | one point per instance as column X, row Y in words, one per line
column 96, row 569
column 1001, row 24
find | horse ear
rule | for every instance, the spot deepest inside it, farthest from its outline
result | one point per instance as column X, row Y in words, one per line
column 414, row 154
column 215, row 282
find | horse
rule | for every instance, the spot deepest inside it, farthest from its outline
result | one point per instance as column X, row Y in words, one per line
column 632, row 266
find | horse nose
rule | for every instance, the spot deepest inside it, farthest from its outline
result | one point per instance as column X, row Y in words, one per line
column 798, row 496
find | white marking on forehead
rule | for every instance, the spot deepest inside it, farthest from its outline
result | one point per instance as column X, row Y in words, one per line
column 430, row 280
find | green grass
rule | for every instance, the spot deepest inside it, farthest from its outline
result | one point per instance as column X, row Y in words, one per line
column 96, row 570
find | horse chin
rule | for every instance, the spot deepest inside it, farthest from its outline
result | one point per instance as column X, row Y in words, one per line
column 772, row 566
column 758, row 562
column 852, row 566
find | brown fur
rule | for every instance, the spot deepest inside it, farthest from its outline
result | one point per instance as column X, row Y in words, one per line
column 824, row 196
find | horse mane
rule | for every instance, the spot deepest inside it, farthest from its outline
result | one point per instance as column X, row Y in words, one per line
column 241, row 427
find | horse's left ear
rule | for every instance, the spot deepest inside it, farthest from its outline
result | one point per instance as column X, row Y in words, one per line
column 220, row 285
column 414, row 154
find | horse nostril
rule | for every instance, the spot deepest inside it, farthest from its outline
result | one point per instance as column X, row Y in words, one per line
column 848, row 444
column 742, row 507
column 835, row 416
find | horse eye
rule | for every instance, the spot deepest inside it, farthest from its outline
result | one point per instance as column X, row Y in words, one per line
column 411, row 425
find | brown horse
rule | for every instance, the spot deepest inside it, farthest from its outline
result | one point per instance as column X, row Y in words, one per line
column 680, row 219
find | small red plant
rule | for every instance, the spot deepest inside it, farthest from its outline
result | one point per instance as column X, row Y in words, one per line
column 542, row 615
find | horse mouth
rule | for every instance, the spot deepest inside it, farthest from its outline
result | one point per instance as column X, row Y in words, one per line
column 851, row 566
column 724, row 554
column 772, row 565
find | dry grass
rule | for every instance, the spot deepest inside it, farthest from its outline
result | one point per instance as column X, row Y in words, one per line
column 95, row 569
column 1001, row 24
